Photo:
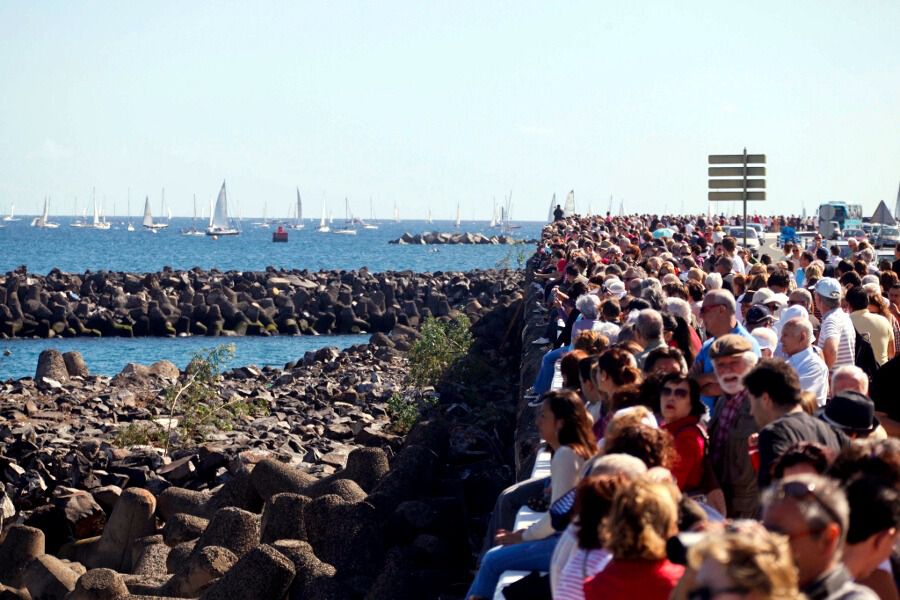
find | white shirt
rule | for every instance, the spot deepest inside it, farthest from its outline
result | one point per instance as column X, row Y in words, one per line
column 837, row 324
column 813, row 373
column 737, row 265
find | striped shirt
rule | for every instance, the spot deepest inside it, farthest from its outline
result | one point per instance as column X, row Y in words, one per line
column 582, row 564
column 836, row 324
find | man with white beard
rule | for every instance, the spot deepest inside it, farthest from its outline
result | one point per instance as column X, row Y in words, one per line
column 732, row 425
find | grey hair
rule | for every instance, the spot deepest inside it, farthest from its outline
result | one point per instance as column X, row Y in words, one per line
column 713, row 281
column 853, row 372
column 829, row 303
column 649, row 324
column 827, row 492
column 723, row 298
column 679, row 308
column 804, row 293
column 616, row 464
column 801, row 324
column 654, row 295
column 588, row 305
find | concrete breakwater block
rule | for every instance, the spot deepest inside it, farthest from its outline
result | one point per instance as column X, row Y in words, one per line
column 22, row 544
column 261, row 574
column 131, row 519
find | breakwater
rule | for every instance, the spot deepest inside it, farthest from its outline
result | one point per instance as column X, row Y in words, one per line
column 213, row 303
column 454, row 239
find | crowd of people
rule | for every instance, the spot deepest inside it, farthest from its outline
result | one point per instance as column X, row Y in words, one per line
column 726, row 426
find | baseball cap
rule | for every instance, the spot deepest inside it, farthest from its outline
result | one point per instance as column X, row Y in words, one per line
column 762, row 295
column 758, row 314
column 829, row 287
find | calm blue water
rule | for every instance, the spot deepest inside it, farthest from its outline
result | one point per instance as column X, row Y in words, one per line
column 108, row 356
column 116, row 249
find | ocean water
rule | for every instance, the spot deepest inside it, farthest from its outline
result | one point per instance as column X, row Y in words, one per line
column 108, row 356
column 76, row 250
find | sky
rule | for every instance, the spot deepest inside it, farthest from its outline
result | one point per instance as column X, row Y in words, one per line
column 430, row 105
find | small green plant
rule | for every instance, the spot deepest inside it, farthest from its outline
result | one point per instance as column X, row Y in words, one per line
column 194, row 401
column 517, row 255
column 404, row 410
column 439, row 346
column 139, row 434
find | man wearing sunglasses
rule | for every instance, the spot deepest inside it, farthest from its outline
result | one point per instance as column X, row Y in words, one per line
column 812, row 512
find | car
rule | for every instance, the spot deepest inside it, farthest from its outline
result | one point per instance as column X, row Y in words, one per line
column 752, row 239
column 888, row 237
column 858, row 234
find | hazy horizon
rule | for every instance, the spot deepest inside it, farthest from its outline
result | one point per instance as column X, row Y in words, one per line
column 430, row 105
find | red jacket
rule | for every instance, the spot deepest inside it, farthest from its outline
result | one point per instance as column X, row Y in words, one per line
column 634, row 580
column 690, row 444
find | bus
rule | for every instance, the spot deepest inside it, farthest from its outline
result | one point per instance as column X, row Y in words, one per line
column 835, row 216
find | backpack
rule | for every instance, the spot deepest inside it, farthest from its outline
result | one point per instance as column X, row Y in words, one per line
column 864, row 358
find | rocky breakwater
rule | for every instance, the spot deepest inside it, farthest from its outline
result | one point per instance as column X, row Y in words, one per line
column 315, row 496
column 457, row 238
column 212, row 303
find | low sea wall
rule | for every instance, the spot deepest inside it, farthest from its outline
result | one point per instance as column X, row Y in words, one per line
column 212, row 303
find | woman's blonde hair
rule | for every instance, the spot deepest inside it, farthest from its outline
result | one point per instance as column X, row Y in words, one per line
column 753, row 558
column 644, row 515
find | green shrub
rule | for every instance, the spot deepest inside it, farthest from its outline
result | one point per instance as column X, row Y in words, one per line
column 439, row 346
column 404, row 410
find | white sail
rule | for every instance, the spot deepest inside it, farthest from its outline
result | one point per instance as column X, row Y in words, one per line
column 96, row 220
column 396, row 213
column 896, row 205
column 552, row 208
column 493, row 215
column 12, row 214
column 457, row 216
column 429, row 216
column 323, row 224
column 44, row 220
column 148, row 217
column 569, row 208
column 220, row 213
column 299, row 220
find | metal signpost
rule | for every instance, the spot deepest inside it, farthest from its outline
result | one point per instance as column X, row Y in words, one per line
column 739, row 189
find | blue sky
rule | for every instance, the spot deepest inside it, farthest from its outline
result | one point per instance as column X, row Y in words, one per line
column 430, row 104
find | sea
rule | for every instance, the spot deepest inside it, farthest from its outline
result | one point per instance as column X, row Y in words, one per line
column 78, row 250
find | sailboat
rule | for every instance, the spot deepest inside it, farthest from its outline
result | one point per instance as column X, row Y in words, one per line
column 12, row 214
column 493, row 223
column 97, row 222
column 347, row 229
column 43, row 221
column 371, row 224
column 298, row 213
column 396, row 213
column 429, row 217
column 82, row 221
column 264, row 224
column 569, row 207
column 219, row 223
column 456, row 223
column 148, row 218
column 504, row 215
column 192, row 230
column 323, row 224
column 550, row 216
column 130, row 224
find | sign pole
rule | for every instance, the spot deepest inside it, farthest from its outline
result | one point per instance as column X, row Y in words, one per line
column 745, row 197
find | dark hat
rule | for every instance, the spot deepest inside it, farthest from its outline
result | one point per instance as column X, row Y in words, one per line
column 850, row 411
column 730, row 344
column 747, row 297
column 758, row 314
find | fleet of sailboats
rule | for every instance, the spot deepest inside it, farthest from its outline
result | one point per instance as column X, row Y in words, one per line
column 219, row 223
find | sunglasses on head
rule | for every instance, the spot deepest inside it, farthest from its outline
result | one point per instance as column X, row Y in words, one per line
column 800, row 490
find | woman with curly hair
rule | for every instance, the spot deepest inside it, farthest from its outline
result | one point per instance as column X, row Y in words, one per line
column 643, row 516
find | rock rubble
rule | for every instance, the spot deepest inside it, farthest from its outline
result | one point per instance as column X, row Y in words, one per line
column 317, row 497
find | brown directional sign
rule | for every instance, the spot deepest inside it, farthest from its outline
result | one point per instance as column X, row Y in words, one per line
column 735, row 159
column 737, row 171
column 714, row 196
column 719, row 184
